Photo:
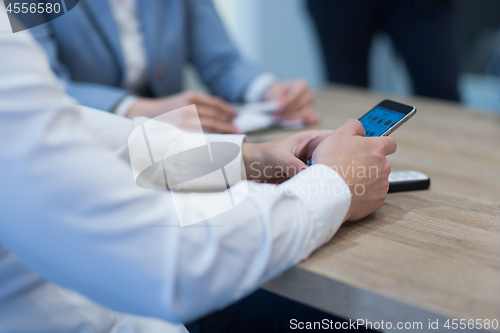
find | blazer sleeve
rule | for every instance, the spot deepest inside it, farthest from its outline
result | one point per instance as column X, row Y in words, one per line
column 94, row 95
column 218, row 61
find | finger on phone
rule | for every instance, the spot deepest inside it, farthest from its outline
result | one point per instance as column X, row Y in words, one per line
column 352, row 127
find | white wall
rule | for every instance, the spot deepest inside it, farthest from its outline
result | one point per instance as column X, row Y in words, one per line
column 275, row 34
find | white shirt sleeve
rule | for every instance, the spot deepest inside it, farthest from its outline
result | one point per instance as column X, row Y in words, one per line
column 124, row 106
column 132, row 43
column 258, row 86
column 71, row 211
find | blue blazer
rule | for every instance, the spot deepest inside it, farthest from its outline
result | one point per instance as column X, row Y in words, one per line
column 85, row 51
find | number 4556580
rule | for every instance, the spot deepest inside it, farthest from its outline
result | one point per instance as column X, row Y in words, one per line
column 33, row 8
column 455, row 324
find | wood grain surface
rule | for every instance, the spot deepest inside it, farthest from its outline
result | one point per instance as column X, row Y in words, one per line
column 432, row 252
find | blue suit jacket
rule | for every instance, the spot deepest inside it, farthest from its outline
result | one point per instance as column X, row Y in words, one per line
column 85, row 50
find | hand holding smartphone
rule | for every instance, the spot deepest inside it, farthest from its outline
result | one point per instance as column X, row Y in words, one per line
column 382, row 120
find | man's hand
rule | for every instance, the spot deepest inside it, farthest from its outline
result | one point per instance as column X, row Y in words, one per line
column 277, row 161
column 296, row 100
column 215, row 114
column 362, row 162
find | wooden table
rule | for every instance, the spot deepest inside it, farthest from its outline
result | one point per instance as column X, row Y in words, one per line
column 425, row 255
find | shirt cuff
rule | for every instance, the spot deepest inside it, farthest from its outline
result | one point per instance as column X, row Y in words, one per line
column 258, row 86
column 123, row 107
column 327, row 197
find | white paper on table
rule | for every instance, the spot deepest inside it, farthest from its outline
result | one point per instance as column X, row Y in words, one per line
column 249, row 122
column 257, row 116
column 258, row 107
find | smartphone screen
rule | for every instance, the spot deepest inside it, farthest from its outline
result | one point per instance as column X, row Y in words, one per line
column 379, row 120
column 382, row 117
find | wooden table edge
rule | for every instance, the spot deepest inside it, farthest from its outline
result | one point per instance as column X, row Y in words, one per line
column 350, row 302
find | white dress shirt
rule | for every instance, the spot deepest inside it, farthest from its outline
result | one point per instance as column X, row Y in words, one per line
column 81, row 243
column 132, row 41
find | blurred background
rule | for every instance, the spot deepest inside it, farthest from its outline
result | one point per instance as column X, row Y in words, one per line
column 280, row 36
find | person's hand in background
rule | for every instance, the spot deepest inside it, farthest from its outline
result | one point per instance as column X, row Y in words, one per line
column 277, row 161
column 296, row 99
column 216, row 115
column 362, row 162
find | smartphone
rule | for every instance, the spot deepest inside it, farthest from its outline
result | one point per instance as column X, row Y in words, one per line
column 386, row 117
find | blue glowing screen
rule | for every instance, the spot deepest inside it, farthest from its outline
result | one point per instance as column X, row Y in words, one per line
column 379, row 120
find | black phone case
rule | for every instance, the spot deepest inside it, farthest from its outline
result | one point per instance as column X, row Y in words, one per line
column 412, row 185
